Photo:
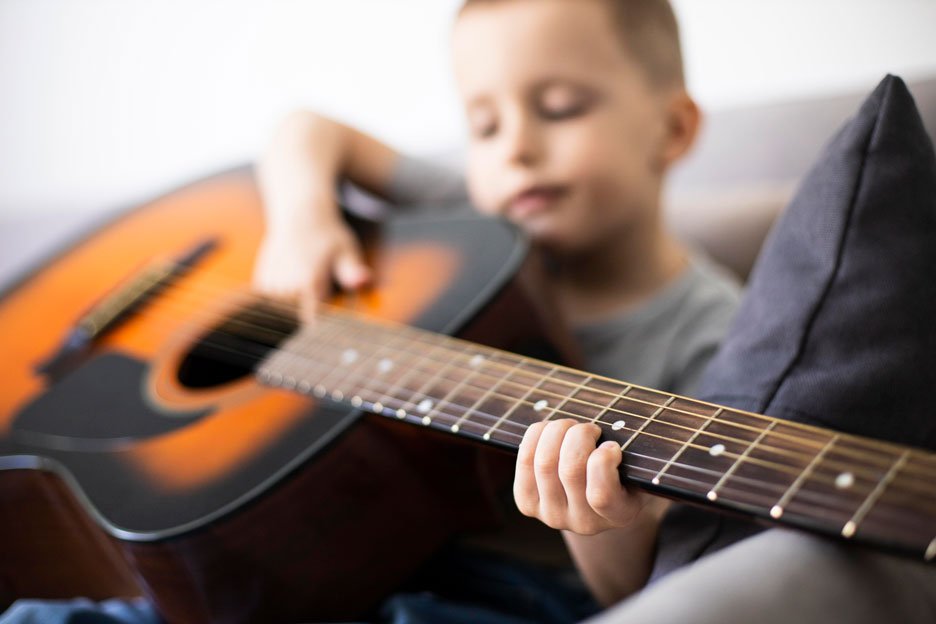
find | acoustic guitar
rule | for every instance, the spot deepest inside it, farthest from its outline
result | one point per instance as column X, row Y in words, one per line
column 164, row 431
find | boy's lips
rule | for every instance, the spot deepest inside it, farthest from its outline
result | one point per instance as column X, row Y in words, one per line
column 534, row 199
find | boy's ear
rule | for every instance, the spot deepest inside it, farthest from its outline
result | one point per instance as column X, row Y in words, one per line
column 683, row 119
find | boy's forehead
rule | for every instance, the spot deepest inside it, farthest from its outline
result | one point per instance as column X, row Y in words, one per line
column 524, row 40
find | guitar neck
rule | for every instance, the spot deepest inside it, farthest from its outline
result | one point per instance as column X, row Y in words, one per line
column 788, row 473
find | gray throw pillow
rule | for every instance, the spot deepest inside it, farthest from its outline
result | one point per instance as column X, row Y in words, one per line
column 837, row 326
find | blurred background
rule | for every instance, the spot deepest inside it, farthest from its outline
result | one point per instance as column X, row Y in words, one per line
column 107, row 102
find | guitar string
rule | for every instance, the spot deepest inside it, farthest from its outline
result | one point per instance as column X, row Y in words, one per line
column 875, row 445
column 666, row 423
column 510, row 397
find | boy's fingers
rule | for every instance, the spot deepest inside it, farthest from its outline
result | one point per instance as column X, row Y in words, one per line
column 604, row 493
column 525, row 493
column 577, row 446
column 553, row 501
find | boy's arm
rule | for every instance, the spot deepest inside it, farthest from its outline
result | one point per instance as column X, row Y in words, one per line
column 306, row 242
column 569, row 484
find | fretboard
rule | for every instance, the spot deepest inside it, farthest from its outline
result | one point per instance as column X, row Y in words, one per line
column 834, row 483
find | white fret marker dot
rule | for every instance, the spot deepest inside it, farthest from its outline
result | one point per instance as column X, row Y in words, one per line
column 849, row 529
column 349, row 356
column 618, row 425
column 487, row 436
column 655, row 481
column 378, row 407
column 424, row 406
column 930, row 551
column 844, row 480
column 540, row 405
column 454, row 428
column 716, row 450
column 401, row 413
column 776, row 511
column 384, row 366
column 356, row 401
column 426, row 420
column 712, row 495
column 476, row 361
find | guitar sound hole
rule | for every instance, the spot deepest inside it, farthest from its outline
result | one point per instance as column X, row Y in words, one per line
column 232, row 349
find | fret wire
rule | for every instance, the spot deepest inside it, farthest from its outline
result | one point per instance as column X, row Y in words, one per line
column 561, row 381
column 647, row 422
column 518, row 403
column 748, row 498
column 425, row 419
column 686, row 444
column 614, row 399
column 777, row 510
column 713, row 493
column 790, row 424
column 400, row 383
column 338, row 333
column 750, row 460
column 447, row 398
column 562, row 402
column 487, row 394
column 384, row 347
column 343, row 370
column 852, row 525
column 820, row 499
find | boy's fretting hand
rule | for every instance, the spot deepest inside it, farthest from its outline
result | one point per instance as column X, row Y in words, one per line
column 567, row 482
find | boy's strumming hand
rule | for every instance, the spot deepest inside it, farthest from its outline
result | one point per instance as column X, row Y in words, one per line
column 305, row 261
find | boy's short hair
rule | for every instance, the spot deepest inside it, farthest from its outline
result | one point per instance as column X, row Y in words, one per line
column 649, row 31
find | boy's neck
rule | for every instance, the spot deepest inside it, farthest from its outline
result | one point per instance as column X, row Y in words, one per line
column 620, row 273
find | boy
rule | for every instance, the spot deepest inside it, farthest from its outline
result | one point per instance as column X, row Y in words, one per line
column 577, row 110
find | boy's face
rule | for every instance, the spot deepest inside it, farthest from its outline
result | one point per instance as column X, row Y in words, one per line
column 565, row 132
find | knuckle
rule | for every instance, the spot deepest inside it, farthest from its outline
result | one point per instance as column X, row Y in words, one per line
column 545, row 464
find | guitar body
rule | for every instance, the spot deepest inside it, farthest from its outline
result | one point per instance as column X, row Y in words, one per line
column 149, row 464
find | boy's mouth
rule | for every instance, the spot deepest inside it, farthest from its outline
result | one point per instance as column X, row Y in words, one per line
column 534, row 199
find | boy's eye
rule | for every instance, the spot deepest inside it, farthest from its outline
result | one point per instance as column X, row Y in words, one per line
column 561, row 103
column 482, row 124
column 562, row 112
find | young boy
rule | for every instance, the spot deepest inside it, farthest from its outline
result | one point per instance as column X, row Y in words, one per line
column 577, row 110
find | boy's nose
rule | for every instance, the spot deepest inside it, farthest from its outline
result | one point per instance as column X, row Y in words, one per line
column 523, row 144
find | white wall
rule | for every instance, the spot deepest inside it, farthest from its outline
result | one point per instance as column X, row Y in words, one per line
column 106, row 101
